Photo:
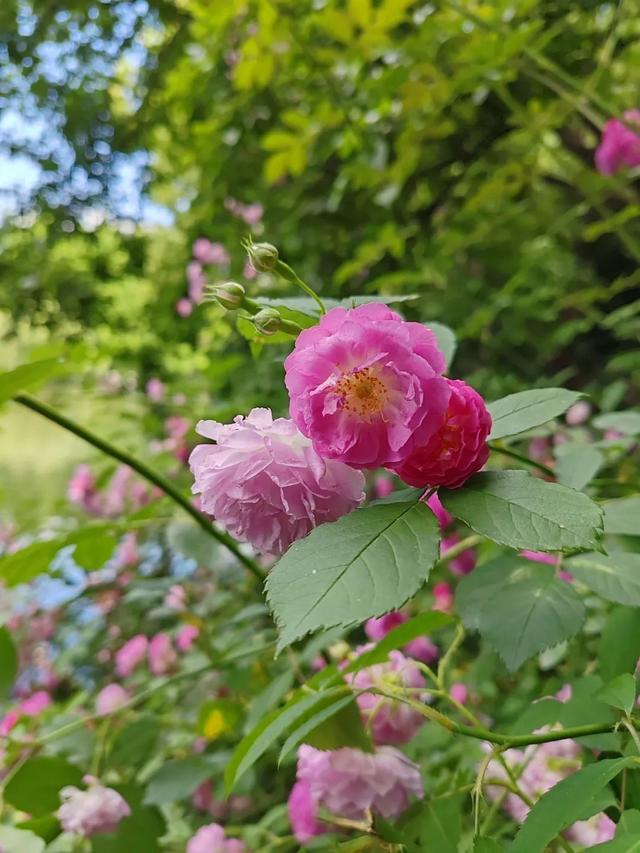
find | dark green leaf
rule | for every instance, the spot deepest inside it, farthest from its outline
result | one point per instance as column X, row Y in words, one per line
column 269, row 698
column 367, row 563
column 568, row 801
column 527, row 409
column 615, row 577
column 331, row 727
column 620, row 642
column 36, row 785
column 437, row 826
column 619, row 693
column 176, row 780
column 472, row 595
column 486, row 845
column 134, row 744
column 521, row 511
column 8, row 662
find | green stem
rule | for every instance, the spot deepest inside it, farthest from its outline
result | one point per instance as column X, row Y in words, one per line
column 459, row 547
column 144, row 470
column 291, row 275
column 512, row 454
column 447, row 657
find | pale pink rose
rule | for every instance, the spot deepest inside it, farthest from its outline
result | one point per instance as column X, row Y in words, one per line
column 184, row 307
column 197, row 281
column 129, row 656
column 111, row 698
column 457, row 449
column 620, row 145
column 578, row 414
column 383, row 486
column 187, row 637
column 389, row 721
column 266, row 484
column 162, row 656
column 252, row 213
column 443, row 597
column 35, row 704
column 459, row 693
column 465, row 562
column 176, row 598
column 302, row 814
column 212, row 839
column 444, row 518
column 365, row 386
column 92, row 812
column 597, row 830
column 155, row 389
column 350, row 783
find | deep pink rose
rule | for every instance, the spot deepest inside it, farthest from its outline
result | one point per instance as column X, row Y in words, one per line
column 365, row 386
column 620, row 146
column 458, row 449
column 266, row 484
column 349, row 783
column 389, row 721
column 302, row 813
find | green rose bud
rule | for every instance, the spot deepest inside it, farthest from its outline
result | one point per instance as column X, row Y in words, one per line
column 268, row 321
column 263, row 256
column 230, row 295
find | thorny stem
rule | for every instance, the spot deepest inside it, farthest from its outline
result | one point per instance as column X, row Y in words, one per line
column 144, row 470
column 506, row 451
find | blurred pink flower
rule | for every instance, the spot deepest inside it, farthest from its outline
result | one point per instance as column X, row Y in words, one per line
column 176, row 598
column 540, row 557
column 302, row 813
column 129, row 656
column 110, row 699
column 365, row 386
column 266, row 484
column 249, row 271
column 35, row 704
column 206, row 252
column 565, row 693
column 389, row 721
column 162, row 656
column 350, row 783
column 187, row 637
column 459, row 693
column 578, row 413
column 250, row 213
column 620, row 145
column 383, row 486
column 443, row 597
column 155, row 389
column 465, row 562
column 196, row 280
column 92, row 812
column 421, row 648
column 212, row 839
column 597, row 830
column 9, row 721
column 184, row 307
column 457, row 449
column 127, row 554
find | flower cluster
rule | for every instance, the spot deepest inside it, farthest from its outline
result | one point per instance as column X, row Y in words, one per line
column 212, row 839
column 620, row 145
column 366, row 391
column 91, row 812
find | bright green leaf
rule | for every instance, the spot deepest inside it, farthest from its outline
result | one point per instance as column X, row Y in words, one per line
column 566, row 802
column 27, row 376
column 527, row 409
column 36, row 785
column 619, row 693
column 615, row 577
column 331, row 727
column 521, row 511
column 367, row 563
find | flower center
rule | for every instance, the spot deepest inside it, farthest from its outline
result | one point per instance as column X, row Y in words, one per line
column 362, row 393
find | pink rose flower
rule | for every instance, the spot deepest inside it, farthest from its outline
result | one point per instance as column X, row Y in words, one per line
column 184, row 307
column 155, row 389
column 465, row 562
column 578, row 413
column 187, row 637
column 458, row 449
column 212, row 839
column 162, row 656
column 620, row 146
column 129, row 656
column 91, row 812
column 302, row 814
column 266, row 484
column 459, row 693
column 35, row 704
column 111, row 698
column 349, row 783
column 389, row 721
column 443, row 597
column 365, row 386
column 444, row 518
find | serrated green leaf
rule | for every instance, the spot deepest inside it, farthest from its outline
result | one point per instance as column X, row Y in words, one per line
column 520, row 412
column 521, row 511
column 367, row 563
column 523, row 610
column 8, row 663
column 27, row 376
column 619, row 693
column 622, row 516
column 566, row 802
column 473, row 595
column 615, row 577
column 577, row 464
column 274, row 726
